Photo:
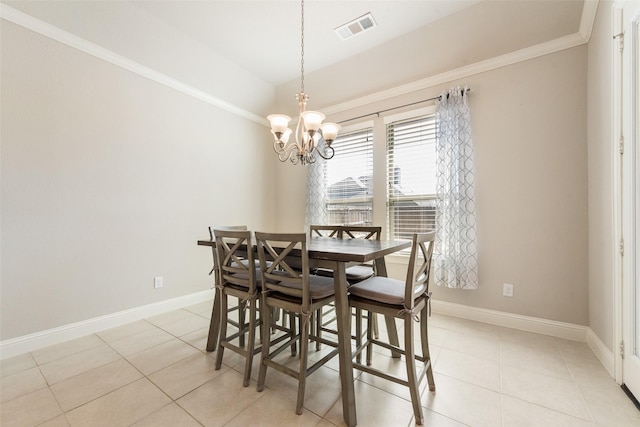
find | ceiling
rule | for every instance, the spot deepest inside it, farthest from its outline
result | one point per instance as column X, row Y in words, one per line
column 208, row 43
column 264, row 36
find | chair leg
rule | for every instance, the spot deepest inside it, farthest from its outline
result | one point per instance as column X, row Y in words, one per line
column 318, row 328
column 251, row 344
column 266, row 344
column 410, row 362
column 302, row 374
column 214, row 324
column 376, row 331
column 224, row 302
column 241, row 316
column 358, row 333
column 292, row 333
column 369, row 339
column 424, row 340
column 259, row 319
column 275, row 314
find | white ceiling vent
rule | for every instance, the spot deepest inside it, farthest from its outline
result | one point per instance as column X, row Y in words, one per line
column 357, row 26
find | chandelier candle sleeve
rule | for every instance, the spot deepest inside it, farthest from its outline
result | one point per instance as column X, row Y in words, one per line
column 279, row 123
column 312, row 121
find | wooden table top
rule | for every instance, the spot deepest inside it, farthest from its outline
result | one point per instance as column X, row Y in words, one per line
column 347, row 250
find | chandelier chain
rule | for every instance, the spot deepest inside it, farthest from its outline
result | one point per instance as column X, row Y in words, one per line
column 302, row 47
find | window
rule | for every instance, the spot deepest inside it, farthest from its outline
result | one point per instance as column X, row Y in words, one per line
column 349, row 179
column 366, row 161
column 411, row 176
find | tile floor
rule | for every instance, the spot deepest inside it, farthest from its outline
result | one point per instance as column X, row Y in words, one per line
column 155, row 372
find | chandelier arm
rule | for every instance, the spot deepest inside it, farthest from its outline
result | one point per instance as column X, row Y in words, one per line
column 333, row 152
column 285, row 152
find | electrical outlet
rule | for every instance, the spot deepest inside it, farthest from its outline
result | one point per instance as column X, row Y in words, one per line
column 158, row 282
column 507, row 290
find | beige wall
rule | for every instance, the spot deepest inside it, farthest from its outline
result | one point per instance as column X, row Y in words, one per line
column 529, row 132
column 601, row 148
column 108, row 179
column 92, row 151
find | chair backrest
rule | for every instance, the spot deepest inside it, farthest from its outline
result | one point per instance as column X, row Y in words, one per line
column 225, row 227
column 419, row 268
column 361, row 232
column 236, row 259
column 346, row 231
column 280, row 274
column 326, row 231
column 215, row 268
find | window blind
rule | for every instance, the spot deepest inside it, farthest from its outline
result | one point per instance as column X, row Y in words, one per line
column 411, row 176
column 349, row 179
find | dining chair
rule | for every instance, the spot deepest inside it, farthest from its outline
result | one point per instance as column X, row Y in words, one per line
column 325, row 231
column 354, row 273
column 358, row 273
column 214, row 324
column 287, row 285
column 409, row 301
column 239, row 277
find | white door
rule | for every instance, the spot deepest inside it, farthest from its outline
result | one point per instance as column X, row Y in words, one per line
column 630, row 199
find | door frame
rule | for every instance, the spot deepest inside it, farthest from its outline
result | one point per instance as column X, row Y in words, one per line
column 625, row 177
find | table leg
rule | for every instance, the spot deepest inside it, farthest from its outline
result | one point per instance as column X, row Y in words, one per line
column 214, row 325
column 381, row 270
column 343, row 317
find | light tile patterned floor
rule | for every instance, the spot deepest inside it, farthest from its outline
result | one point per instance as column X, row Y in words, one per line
column 155, row 372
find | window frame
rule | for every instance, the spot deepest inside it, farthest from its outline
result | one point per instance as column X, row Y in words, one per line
column 367, row 125
column 380, row 175
column 394, row 199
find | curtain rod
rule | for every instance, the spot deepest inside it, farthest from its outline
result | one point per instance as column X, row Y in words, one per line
column 439, row 97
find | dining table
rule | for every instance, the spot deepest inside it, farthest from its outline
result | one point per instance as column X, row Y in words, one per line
column 336, row 255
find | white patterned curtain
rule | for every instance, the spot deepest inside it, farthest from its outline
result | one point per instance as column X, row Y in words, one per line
column 316, row 209
column 455, row 252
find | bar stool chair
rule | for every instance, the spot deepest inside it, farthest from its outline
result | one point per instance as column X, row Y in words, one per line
column 354, row 273
column 239, row 278
column 358, row 273
column 404, row 301
column 287, row 284
column 214, row 324
column 334, row 231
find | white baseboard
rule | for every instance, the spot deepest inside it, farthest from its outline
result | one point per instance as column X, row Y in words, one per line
column 601, row 351
column 15, row 346
column 515, row 321
column 31, row 342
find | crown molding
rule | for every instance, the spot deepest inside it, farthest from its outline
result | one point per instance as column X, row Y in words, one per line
column 29, row 22
column 566, row 42
column 589, row 10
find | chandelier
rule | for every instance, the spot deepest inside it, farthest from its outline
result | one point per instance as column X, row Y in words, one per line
column 311, row 135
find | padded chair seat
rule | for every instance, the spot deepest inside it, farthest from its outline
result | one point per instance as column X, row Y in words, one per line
column 359, row 272
column 243, row 279
column 319, row 287
column 354, row 273
column 384, row 290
